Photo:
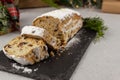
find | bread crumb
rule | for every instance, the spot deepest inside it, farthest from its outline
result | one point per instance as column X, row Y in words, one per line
column 59, row 54
column 27, row 70
column 36, row 69
column 69, row 53
column 52, row 54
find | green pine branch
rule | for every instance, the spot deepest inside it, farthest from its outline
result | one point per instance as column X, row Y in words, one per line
column 4, row 18
column 96, row 24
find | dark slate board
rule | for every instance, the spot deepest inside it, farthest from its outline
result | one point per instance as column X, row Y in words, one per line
column 54, row 68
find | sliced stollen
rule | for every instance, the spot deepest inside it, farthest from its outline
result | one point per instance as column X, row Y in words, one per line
column 62, row 24
column 26, row 50
column 37, row 32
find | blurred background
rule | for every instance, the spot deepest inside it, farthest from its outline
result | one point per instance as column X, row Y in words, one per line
column 9, row 9
column 110, row 6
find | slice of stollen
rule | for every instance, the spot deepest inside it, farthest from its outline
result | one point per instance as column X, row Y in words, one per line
column 26, row 50
column 37, row 32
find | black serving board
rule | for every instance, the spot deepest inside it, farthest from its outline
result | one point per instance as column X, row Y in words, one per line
column 54, row 68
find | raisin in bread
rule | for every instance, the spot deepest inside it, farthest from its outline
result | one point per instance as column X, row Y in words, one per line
column 62, row 24
column 37, row 32
column 26, row 50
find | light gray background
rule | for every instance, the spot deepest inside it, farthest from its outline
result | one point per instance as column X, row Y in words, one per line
column 101, row 60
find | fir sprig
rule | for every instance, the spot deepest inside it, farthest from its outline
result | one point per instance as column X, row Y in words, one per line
column 4, row 19
column 96, row 24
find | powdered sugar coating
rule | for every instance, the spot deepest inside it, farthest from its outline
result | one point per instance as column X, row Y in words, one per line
column 60, row 14
column 32, row 30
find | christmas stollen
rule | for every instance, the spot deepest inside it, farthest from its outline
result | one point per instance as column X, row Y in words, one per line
column 52, row 29
column 62, row 24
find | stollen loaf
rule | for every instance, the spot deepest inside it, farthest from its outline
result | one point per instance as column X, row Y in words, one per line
column 62, row 24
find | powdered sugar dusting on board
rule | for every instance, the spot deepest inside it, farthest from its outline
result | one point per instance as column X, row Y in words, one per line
column 36, row 69
column 27, row 70
column 24, row 69
column 73, row 42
